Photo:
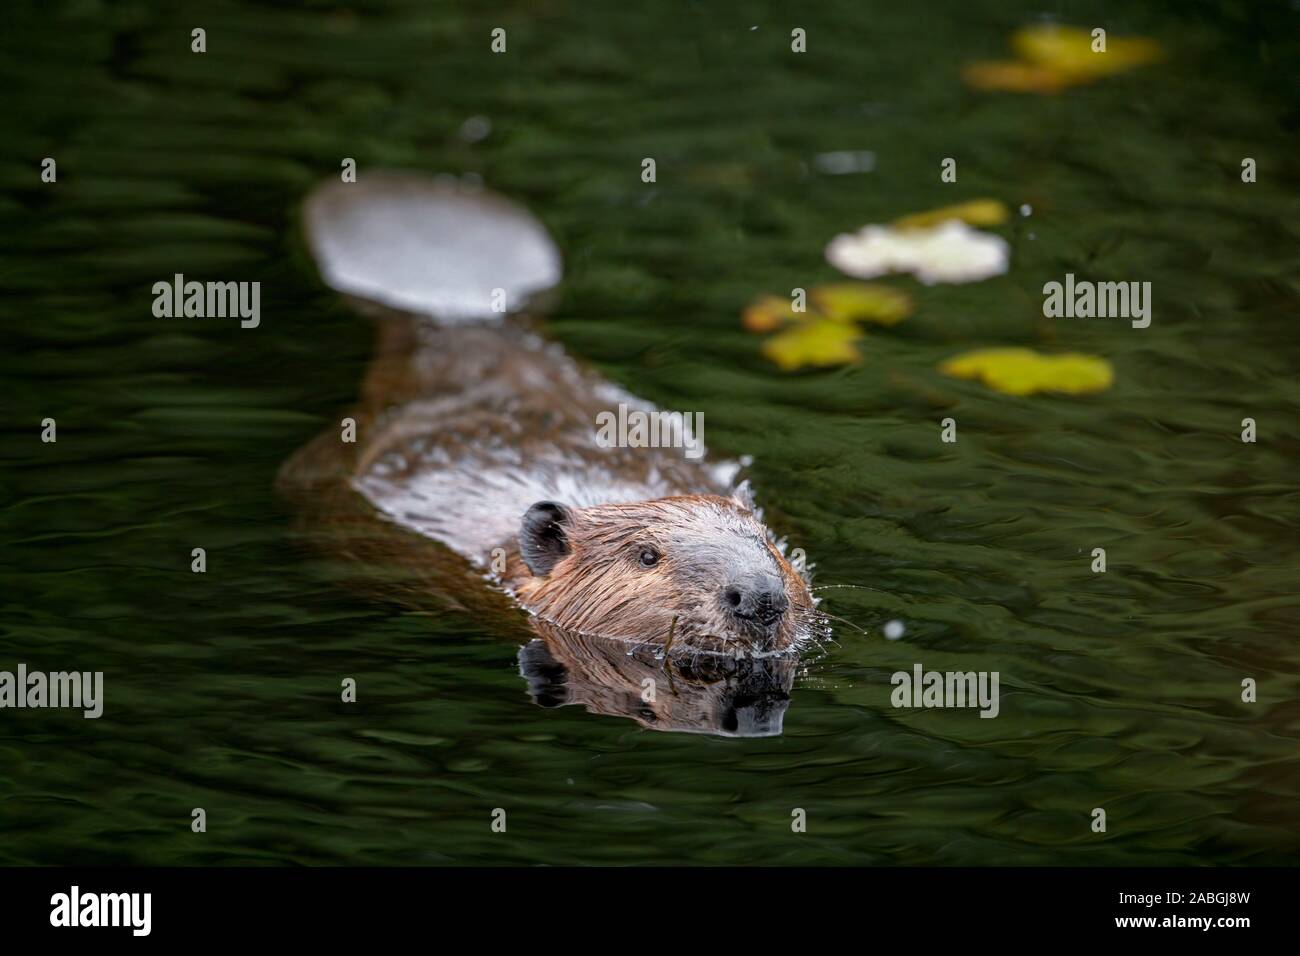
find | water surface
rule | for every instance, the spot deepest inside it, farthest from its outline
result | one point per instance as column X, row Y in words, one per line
column 1119, row 690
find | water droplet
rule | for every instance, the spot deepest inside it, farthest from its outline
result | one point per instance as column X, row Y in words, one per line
column 475, row 128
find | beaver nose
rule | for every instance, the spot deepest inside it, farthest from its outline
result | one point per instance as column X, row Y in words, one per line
column 759, row 598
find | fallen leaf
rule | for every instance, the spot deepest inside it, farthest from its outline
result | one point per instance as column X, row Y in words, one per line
column 1055, row 57
column 1013, row 76
column 819, row 343
column 768, row 314
column 861, row 302
column 1016, row 371
column 1068, row 51
column 976, row 212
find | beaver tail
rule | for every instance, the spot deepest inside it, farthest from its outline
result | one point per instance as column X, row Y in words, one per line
column 430, row 247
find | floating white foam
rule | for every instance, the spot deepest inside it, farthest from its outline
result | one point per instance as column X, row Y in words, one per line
column 949, row 252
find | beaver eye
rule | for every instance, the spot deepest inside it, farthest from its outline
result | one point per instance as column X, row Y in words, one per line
column 649, row 558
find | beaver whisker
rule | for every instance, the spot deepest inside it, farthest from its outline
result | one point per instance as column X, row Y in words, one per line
column 860, row 587
column 843, row 620
column 815, row 630
column 672, row 632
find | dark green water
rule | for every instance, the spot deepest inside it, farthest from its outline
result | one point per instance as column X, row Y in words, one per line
column 1119, row 690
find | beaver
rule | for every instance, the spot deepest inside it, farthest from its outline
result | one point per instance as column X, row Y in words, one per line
column 476, row 432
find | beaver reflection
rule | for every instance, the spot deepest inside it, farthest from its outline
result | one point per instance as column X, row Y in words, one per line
column 683, row 692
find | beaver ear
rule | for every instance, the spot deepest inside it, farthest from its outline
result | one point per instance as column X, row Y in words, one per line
column 542, row 540
column 743, row 495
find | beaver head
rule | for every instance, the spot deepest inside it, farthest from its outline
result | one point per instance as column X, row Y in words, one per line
column 701, row 568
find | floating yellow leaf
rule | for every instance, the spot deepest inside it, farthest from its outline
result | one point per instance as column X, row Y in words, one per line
column 1013, row 76
column 1069, row 51
column 1024, row 371
column 976, row 212
column 861, row 302
column 1055, row 57
column 768, row 313
column 820, row 343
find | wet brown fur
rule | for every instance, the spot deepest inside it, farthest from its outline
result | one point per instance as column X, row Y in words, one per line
column 599, row 588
